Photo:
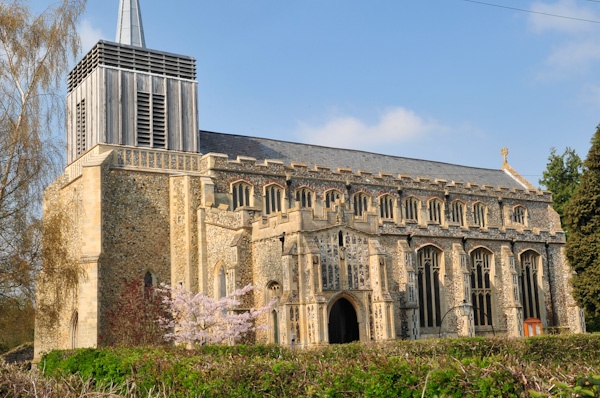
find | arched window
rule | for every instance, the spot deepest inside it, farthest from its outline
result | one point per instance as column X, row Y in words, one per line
column 481, row 287
column 273, row 293
column 519, row 215
column 221, row 283
column 361, row 203
column 457, row 213
column 273, row 198
column 304, row 197
column 429, row 286
column 149, row 283
column 73, row 330
column 479, row 214
column 528, row 280
column 434, row 211
column 241, row 193
column 411, row 209
column 386, row 207
column 331, row 197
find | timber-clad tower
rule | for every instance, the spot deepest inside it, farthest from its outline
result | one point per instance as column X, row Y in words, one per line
column 351, row 245
column 125, row 94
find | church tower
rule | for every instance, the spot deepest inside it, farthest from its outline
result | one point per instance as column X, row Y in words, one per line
column 125, row 94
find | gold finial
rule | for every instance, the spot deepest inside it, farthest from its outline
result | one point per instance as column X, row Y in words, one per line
column 504, row 153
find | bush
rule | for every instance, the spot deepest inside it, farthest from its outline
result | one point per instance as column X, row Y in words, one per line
column 496, row 367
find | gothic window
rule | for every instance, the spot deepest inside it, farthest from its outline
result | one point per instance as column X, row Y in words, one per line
column 274, row 294
column 457, row 213
column 434, row 211
column 386, row 207
column 428, row 262
column 411, row 209
column 304, row 197
column 273, row 199
column 241, row 194
column 151, row 120
column 479, row 214
column 361, row 203
column 481, row 287
column 519, row 215
column 80, row 127
column 528, row 279
column 221, row 283
column 73, row 330
column 331, row 197
column 149, row 284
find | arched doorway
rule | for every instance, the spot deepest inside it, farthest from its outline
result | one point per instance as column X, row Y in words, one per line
column 343, row 323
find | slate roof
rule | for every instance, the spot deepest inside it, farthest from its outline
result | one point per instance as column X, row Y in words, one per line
column 288, row 152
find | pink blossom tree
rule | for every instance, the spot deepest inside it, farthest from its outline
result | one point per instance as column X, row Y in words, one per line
column 199, row 319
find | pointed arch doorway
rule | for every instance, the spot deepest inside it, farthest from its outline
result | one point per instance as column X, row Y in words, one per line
column 343, row 323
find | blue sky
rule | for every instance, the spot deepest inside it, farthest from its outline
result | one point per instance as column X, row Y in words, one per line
column 446, row 80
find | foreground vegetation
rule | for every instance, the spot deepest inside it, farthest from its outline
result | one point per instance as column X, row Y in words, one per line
column 543, row 366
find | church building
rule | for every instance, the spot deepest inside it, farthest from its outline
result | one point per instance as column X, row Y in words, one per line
column 354, row 246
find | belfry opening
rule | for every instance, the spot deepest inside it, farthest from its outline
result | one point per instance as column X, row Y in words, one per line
column 343, row 323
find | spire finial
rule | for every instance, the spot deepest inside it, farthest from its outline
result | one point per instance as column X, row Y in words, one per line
column 129, row 26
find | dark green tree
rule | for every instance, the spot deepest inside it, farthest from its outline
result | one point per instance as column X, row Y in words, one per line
column 582, row 217
column 561, row 177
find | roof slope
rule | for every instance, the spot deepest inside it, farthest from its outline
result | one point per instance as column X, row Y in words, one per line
column 288, row 152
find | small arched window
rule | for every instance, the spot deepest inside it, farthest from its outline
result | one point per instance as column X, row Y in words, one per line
column 479, row 214
column 434, row 211
column 304, row 197
column 241, row 193
column 221, row 283
column 331, row 197
column 361, row 203
column 273, row 199
column 457, row 213
column 386, row 207
column 519, row 215
column 411, row 209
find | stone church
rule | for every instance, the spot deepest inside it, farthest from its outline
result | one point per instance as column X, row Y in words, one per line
column 354, row 246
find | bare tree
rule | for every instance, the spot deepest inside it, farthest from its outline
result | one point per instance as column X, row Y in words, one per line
column 35, row 51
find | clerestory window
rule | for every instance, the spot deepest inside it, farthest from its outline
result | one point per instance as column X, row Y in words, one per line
column 411, row 209
column 331, row 197
column 519, row 215
column 386, row 207
column 241, row 194
column 304, row 197
column 434, row 211
column 361, row 203
column 273, row 199
column 457, row 213
column 480, row 214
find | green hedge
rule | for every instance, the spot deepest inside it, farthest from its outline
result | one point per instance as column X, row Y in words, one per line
column 449, row 367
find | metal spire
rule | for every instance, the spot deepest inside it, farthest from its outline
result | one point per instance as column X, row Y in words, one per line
column 129, row 26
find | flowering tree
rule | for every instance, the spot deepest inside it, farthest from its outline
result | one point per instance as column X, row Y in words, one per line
column 199, row 319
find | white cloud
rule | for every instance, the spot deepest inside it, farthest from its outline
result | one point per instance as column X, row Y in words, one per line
column 396, row 125
column 568, row 8
column 89, row 35
column 574, row 57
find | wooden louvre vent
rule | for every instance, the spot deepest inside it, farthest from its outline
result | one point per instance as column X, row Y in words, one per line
column 132, row 58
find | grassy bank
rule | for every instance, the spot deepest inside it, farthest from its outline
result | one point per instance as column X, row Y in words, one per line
column 549, row 365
